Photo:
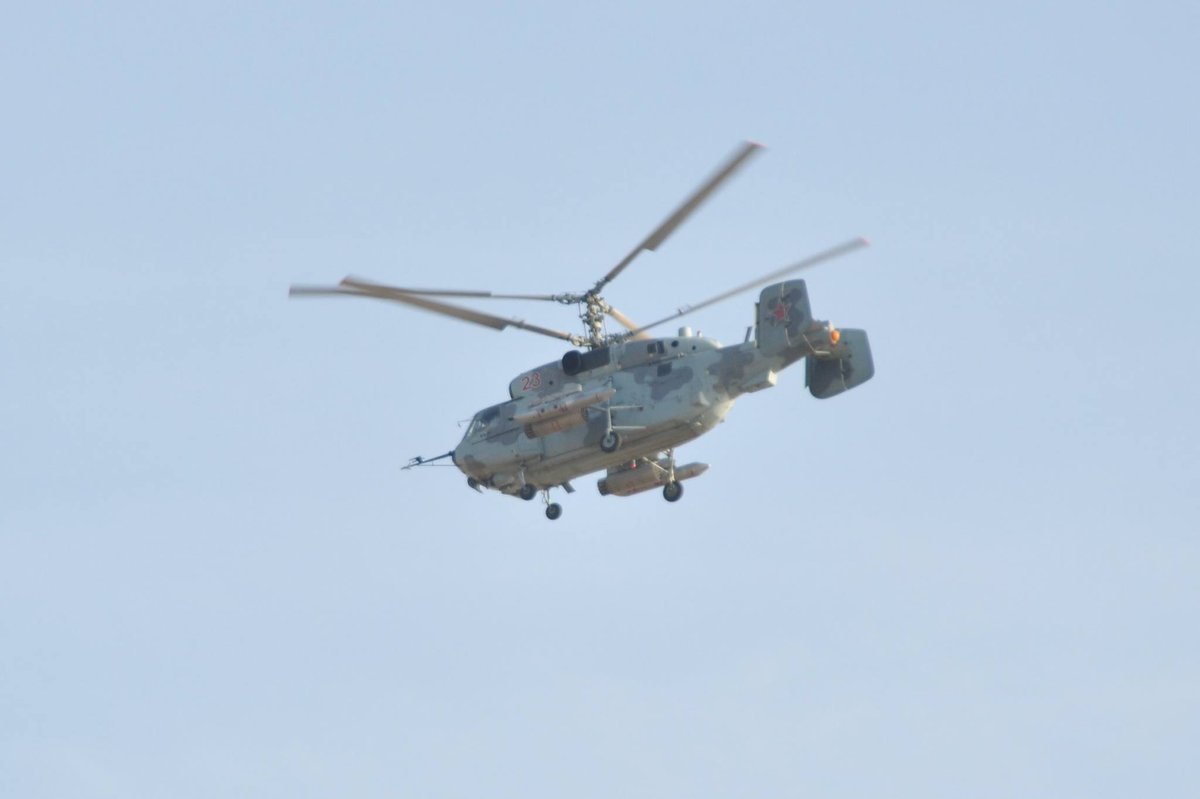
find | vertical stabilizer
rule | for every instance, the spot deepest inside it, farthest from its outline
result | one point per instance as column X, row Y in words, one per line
column 784, row 315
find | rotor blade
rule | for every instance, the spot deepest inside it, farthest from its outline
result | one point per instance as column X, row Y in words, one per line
column 677, row 218
column 457, row 292
column 626, row 322
column 466, row 314
column 357, row 289
column 821, row 257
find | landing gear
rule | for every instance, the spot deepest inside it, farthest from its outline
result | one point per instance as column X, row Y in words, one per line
column 553, row 511
column 611, row 441
column 527, row 492
column 673, row 490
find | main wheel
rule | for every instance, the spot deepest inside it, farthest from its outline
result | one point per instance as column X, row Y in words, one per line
column 527, row 492
column 553, row 511
column 611, row 441
column 673, row 491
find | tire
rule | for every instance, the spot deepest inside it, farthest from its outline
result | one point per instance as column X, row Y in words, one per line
column 672, row 491
column 527, row 492
column 553, row 511
column 611, row 441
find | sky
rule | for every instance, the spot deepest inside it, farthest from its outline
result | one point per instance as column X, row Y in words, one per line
column 974, row 575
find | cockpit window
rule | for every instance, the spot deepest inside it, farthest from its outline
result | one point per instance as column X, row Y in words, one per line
column 481, row 422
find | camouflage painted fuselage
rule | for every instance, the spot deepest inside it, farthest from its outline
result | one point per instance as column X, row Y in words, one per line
column 660, row 393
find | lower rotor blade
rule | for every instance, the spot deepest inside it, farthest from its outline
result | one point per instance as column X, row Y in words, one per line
column 819, row 258
column 626, row 322
column 362, row 289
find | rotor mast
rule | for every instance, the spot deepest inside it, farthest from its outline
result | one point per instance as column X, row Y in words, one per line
column 593, row 319
column 593, row 309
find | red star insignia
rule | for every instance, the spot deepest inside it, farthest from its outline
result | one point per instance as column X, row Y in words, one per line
column 779, row 312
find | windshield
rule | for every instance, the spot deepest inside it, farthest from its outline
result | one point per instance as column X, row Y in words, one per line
column 481, row 422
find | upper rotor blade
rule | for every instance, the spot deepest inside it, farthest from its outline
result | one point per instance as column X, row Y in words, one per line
column 490, row 295
column 362, row 289
column 821, row 257
column 677, row 218
column 626, row 322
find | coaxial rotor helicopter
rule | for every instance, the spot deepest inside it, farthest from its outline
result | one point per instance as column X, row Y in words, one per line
column 627, row 400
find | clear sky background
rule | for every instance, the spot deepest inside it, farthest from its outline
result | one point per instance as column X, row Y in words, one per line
column 974, row 576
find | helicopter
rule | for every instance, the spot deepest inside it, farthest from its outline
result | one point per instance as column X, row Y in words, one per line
column 623, row 402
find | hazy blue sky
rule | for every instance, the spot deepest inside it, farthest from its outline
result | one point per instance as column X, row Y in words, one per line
column 976, row 576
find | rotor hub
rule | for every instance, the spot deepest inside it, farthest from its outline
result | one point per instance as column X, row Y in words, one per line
column 594, row 309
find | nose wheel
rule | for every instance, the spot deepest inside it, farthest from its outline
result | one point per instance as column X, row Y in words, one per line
column 611, row 441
